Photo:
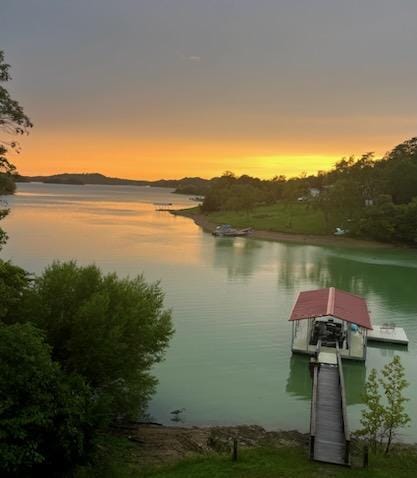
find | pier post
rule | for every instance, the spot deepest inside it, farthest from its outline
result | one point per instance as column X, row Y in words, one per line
column 234, row 449
column 365, row 456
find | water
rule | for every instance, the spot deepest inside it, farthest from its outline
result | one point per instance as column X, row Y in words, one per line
column 229, row 361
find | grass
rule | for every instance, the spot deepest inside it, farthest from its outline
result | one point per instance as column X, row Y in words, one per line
column 283, row 463
column 120, row 458
column 280, row 217
column 115, row 457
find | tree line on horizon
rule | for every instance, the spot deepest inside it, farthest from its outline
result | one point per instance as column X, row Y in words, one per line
column 373, row 198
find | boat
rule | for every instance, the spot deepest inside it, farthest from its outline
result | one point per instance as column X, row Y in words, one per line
column 340, row 232
column 226, row 230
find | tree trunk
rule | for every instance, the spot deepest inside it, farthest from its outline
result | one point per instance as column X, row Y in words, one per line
column 388, row 442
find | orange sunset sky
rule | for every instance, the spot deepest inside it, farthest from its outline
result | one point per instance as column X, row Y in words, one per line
column 158, row 89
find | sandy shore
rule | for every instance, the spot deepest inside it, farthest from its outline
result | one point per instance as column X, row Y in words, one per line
column 315, row 240
column 159, row 445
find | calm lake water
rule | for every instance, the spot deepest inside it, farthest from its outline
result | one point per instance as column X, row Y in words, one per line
column 229, row 361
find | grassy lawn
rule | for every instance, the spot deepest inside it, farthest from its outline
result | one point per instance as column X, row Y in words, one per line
column 121, row 459
column 292, row 218
column 283, row 463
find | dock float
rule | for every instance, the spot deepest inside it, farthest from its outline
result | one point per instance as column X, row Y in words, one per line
column 163, row 206
column 329, row 431
column 388, row 334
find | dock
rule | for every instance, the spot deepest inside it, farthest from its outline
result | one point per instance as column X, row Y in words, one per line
column 388, row 334
column 163, row 206
column 329, row 430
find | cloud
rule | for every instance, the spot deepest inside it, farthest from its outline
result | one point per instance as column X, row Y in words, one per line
column 191, row 58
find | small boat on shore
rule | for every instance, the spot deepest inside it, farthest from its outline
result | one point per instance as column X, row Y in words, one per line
column 226, row 230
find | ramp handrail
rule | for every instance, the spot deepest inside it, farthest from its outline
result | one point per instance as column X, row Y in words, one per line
column 344, row 404
column 313, row 411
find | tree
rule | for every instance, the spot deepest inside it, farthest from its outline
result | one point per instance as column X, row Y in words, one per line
column 399, row 169
column 13, row 121
column 385, row 412
column 393, row 383
column 242, row 197
column 3, row 235
column 110, row 331
column 13, row 281
column 372, row 417
column 44, row 414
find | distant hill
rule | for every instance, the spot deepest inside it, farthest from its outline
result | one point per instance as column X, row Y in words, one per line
column 194, row 185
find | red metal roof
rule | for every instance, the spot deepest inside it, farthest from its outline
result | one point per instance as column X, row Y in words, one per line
column 334, row 302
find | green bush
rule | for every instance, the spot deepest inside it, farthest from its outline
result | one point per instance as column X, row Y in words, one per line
column 110, row 331
column 44, row 414
column 13, row 281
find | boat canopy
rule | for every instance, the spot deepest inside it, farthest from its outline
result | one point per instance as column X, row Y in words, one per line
column 332, row 302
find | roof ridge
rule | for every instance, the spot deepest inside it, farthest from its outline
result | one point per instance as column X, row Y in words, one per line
column 330, row 301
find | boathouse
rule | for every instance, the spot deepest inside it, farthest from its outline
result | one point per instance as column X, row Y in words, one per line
column 330, row 318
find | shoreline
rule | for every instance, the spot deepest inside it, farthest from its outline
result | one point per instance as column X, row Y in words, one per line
column 169, row 444
column 306, row 239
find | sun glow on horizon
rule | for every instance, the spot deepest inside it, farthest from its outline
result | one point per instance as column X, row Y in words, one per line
column 166, row 159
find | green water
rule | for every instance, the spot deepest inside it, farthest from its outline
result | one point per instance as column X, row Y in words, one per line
column 230, row 359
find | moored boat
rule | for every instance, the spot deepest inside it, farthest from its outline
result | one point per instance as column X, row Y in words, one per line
column 226, row 230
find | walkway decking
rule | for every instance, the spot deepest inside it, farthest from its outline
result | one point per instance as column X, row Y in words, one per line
column 329, row 434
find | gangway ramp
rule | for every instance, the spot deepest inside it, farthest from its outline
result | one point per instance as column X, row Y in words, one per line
column 329, row 433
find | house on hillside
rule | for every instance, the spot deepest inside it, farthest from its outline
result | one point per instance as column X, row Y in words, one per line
column 311, row 194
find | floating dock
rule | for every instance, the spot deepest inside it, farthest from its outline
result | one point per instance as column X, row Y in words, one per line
column 388, row 334
column 331, row 325
column 163, row 206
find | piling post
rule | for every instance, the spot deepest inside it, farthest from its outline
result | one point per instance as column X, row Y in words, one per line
column 234, row 449
column 365, row 456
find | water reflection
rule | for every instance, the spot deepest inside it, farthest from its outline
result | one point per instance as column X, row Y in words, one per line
column 299, row 379
column 375, row 276
column 393, row 281
column 239, row 256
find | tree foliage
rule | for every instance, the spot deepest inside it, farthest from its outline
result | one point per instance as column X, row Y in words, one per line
column 372, row 417
column 13, row 121
column 372, row 198
column 76, row 351
column 110, row 331
column 393, row 383
column 13, row 282
column 44, row 414
column 385, row 412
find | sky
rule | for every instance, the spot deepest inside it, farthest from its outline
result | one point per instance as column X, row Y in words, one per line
column 170, row 88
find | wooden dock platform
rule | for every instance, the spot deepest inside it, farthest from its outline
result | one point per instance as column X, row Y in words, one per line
column 388, row 334
column 329, row 432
